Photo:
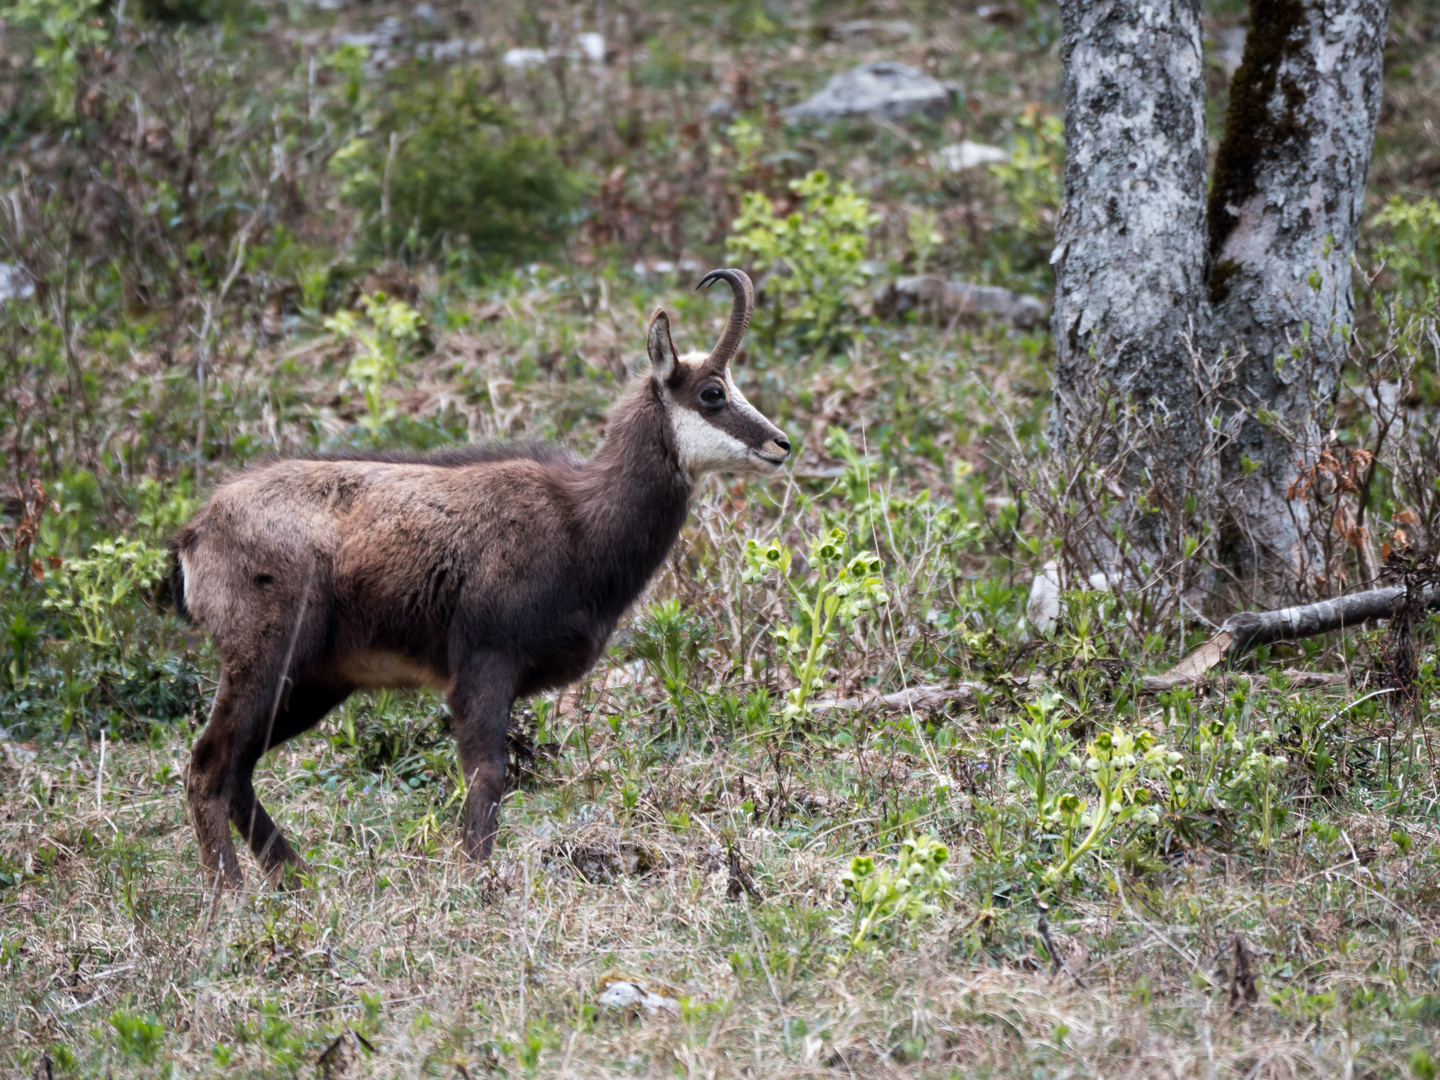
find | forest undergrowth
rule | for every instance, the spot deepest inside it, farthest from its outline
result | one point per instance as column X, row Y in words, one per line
column 833, row 803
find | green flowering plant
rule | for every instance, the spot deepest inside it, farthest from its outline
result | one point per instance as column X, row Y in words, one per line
column 69, row 33
column 380, row 338
column 839, row 586
column 1116, row 762
column 909, row 892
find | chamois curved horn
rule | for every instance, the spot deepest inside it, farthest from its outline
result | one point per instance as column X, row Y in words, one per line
column 744, row 306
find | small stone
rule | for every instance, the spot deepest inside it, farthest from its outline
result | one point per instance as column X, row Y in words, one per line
column 15, row 283
column 1043, row 609
column 523, row 59
column 624, row 994
column 592, row 45
column 966, row 155
column 383, row 37
column 621, row 995
column 720, row 110
column 949, row 301
column 882, row 30
column 453, row 49
column 885, row 90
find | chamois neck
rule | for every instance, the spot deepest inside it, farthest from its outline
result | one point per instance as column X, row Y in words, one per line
column 633, row 496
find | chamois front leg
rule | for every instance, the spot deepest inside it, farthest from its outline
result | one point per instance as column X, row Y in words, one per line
column 301, row 708
column 213, row 779
column 484, row 691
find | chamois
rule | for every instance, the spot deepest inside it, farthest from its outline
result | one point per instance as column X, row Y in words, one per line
column 490, row 572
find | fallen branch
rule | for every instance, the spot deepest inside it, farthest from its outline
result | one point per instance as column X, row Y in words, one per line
column 1170, row 680
column 937, row 697
column 916, row 697
column 1247, row 630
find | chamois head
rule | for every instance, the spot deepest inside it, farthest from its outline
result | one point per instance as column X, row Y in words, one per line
column 716, row 429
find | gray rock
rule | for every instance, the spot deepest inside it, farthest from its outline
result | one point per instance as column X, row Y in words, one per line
column 1042, row 610
column 592, row 47
column 451, row 49
column 624, row 994
column 949, row 301
column 720, row 110
column 15, row 283
column 884, row 90
column 1229, row 48
column 883, row 30
column 965, row 154
column 524, row 59
column 387, row 35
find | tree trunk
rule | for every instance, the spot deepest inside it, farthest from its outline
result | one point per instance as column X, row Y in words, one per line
column 1284, row 207
column 1130, row 263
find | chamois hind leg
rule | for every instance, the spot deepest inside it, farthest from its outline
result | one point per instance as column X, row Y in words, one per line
column 301, row 709
column 484, row 691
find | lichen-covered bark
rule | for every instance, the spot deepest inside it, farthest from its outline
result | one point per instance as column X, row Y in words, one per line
column 1284, row 206
column 1130, row 255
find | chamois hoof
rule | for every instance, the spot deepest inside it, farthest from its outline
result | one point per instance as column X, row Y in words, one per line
column 289, row 876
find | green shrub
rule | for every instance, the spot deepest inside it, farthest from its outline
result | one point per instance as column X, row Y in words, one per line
column 150, row 690
column 908, row 894
column 671, row 642
column 1019, row 245
column 440, row 164
column 845, row 585
column 138, row 1039
column 67, row 33
column 1412, row 252
column 380, row 339
column 88, row 594
column 818, row 253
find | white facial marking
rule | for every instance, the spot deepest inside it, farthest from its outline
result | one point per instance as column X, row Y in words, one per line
column 705, row 448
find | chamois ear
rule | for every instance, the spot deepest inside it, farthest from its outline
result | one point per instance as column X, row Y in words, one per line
column 663, row 358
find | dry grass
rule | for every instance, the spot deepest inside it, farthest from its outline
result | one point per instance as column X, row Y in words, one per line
column 443, row 971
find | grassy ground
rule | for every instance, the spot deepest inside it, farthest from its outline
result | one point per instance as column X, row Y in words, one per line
column 1232, row 879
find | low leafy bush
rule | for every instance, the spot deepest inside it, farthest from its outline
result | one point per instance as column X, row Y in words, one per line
column 147, row 691
column 1411, row 252
column 90, row 594
column 137, row 1038
column 380, row 337
column 815, row 254
column 441, row 165
column 837, row 584
column 67, row 34
column 671, row 642
column 1019, row 246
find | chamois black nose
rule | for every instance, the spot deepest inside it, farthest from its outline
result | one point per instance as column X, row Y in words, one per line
column 783, row 443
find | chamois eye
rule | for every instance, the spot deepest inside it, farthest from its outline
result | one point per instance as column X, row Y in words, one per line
column 712, row 395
